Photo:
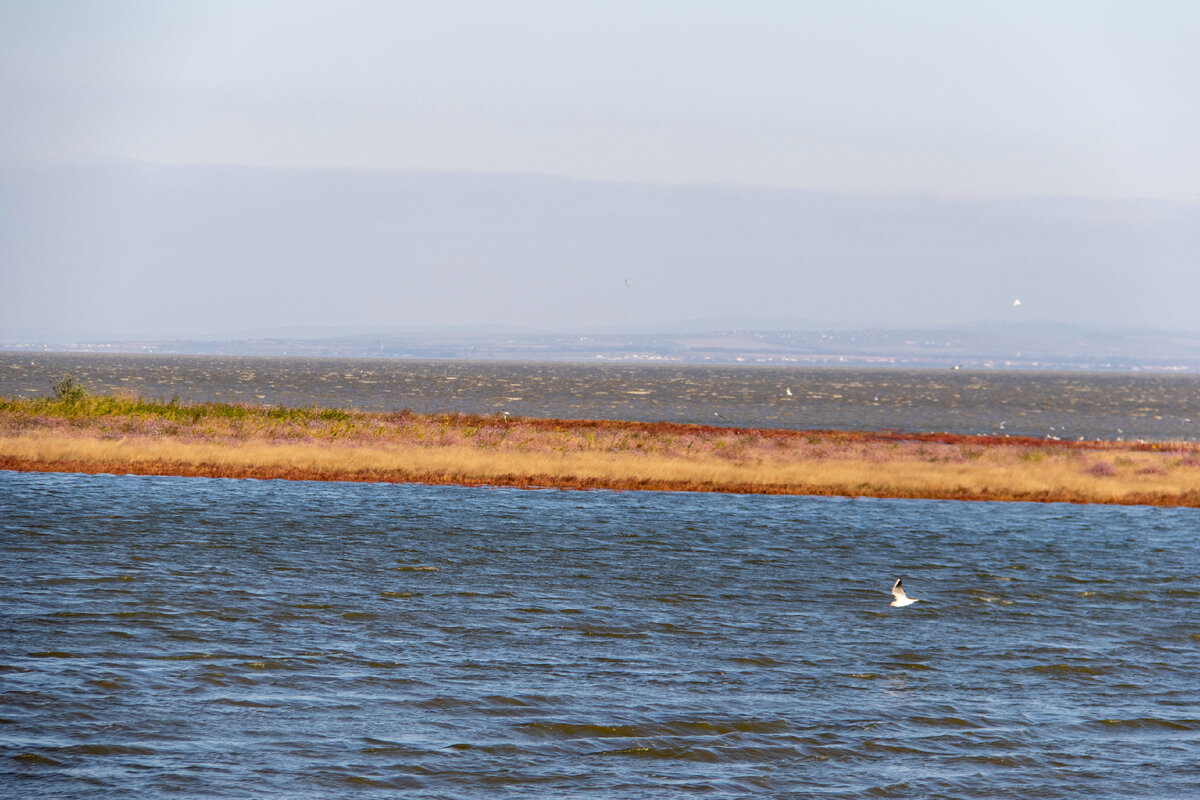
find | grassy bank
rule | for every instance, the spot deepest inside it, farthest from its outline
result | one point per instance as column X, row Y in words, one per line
column 125, row 435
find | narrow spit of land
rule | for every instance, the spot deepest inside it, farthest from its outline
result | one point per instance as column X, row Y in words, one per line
column 98, row 434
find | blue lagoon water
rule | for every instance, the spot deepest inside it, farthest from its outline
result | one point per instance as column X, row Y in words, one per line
column 166, row 637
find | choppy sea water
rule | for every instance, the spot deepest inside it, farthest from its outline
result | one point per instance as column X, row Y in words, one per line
column 1065, row 405
column 167, row 637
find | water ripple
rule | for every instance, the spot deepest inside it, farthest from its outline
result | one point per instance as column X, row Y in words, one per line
column 209, row 638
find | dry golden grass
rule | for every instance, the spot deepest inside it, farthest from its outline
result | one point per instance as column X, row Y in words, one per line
column 132, row 436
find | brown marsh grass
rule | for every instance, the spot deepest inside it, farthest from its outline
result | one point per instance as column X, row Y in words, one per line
column 124, row 435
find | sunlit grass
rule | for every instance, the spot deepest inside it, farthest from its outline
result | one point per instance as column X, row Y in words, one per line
column 133, row 435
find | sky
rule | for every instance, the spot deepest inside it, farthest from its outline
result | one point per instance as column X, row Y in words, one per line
column 978, row 103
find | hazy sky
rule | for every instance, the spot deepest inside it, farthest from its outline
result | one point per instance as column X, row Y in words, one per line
column 1088, row 98
column 955, row 100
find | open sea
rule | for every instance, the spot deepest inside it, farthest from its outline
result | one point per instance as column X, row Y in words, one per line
column 1064, row 405
column 196, row 638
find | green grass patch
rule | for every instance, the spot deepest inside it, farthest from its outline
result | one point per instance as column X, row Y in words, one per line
column 73, row 407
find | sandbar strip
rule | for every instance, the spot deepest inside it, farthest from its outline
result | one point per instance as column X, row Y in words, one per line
column 126, row 436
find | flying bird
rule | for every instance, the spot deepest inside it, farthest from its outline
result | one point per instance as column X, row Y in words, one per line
column 1016, row 303
column 901, row 599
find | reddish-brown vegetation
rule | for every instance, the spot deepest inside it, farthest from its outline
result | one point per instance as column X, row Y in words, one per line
column 128, row 436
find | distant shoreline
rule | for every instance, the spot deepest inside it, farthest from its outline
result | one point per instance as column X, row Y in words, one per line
column 99, row 434
column 809, row 349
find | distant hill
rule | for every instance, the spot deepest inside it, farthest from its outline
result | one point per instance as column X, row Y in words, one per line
column 996, row 347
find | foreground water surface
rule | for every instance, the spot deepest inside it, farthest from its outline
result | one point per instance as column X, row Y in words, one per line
column 1062, row 405
column 167, row 637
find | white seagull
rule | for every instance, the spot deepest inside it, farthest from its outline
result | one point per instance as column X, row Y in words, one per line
column 901, row 598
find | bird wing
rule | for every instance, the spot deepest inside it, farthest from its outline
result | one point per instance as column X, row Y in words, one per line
column 898, row 591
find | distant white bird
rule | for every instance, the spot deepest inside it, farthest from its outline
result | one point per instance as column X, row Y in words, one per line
column 1016, row 303
column 789, row 391
column 901, row 599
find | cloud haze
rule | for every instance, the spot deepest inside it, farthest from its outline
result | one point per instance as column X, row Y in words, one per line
column 872, row 162
column 1068, row 98
column 159, row 251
